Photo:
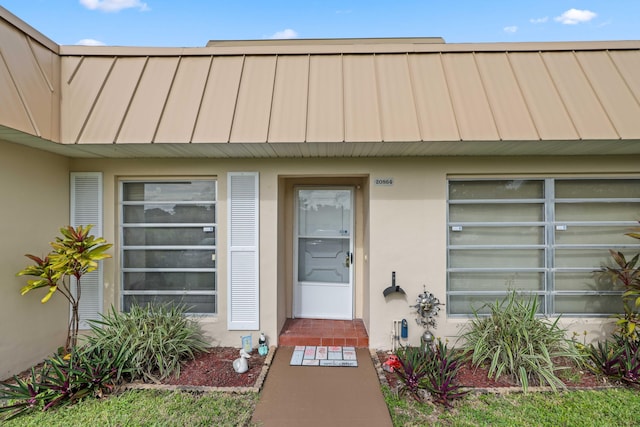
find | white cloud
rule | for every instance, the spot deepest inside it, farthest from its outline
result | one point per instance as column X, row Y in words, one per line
column 90, row 42
column 539, row 20
column 575, row 16
column 510, row 29
column 605, row 23
column 285, row 34
column 114, row 5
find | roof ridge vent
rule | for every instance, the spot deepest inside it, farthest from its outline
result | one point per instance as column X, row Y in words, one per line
column 325, row 42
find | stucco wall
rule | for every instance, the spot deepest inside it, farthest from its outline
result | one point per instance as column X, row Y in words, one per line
column 35, row 204
column 404, row 226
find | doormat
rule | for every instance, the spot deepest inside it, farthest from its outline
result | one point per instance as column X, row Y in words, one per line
column 324, row 356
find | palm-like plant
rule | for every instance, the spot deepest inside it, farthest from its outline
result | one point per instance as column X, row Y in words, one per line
column 74, row 254
column 626, row 273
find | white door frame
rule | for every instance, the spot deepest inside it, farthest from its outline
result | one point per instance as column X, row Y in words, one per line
column 298, row 287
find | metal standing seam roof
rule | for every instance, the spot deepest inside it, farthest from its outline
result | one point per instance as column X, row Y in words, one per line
column 381, row 96
column 348, row 97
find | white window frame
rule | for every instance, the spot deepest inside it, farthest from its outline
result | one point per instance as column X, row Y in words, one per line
column 123, row 247
column 548, row 203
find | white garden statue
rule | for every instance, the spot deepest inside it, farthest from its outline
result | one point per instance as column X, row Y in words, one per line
column 241, row 365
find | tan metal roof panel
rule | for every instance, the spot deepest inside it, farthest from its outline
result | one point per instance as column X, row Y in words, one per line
column 12, row 110
column 469, row 99
column 48, row 63
column 80, row 87
column 612, row 90
column 583, row 105
column 436, row 118
column 546, row 107
column 289, row 107
column 69, row 66
column 397, row 104
column 110, row 108
column 219, row 100
column 627, row 63
column 183, row 103
column 253, row 108
column 143, row 116
column 505, row 97
column 361, row 103
column 26, row 72
column 325, row 115
column 27, row 30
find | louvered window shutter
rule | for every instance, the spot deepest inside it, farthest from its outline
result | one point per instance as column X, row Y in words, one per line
column 86, row 208
column 243, row 256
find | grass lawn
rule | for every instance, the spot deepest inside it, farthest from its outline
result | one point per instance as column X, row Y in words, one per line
column 599, row 408
column 611, row 407
column 149, row 408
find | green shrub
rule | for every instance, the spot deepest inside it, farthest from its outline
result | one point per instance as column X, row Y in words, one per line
column 514, row 341
column 156, row 339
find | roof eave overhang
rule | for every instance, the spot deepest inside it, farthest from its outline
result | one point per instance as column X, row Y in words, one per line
column 371, row 149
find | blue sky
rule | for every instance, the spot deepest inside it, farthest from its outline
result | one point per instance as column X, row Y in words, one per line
column 187, row 23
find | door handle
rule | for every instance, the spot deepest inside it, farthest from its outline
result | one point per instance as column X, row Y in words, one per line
column 348, row 259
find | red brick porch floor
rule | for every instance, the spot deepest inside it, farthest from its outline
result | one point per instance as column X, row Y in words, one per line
column 324, row 332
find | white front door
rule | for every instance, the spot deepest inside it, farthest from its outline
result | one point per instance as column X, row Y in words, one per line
column 323, row 282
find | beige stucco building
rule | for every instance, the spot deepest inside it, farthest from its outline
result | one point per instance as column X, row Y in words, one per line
column 263, row 180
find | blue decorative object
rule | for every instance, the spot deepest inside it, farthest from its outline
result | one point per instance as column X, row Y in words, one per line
column 263, row 349
column 247, row 345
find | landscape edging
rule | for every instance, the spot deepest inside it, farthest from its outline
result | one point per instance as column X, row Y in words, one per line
column 208, row 389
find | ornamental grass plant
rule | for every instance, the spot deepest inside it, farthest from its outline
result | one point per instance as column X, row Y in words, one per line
column 157, row 339
column 515, row 341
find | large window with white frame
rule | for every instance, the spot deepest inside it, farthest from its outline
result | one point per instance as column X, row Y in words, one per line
column 544, row 237
column 168, row 235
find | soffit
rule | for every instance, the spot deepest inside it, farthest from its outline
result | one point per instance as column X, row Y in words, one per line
column 326, row 149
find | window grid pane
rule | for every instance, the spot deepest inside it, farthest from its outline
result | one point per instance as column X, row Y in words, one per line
column 168, row 252
column 495, row 244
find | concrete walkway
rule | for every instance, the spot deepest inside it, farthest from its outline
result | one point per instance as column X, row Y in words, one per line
column 321, row 396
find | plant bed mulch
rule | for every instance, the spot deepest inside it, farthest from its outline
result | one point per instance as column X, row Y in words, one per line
column 211, row 370
column 478, row 378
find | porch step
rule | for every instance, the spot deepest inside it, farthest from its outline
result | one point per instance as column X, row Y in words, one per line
column 324, row 332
